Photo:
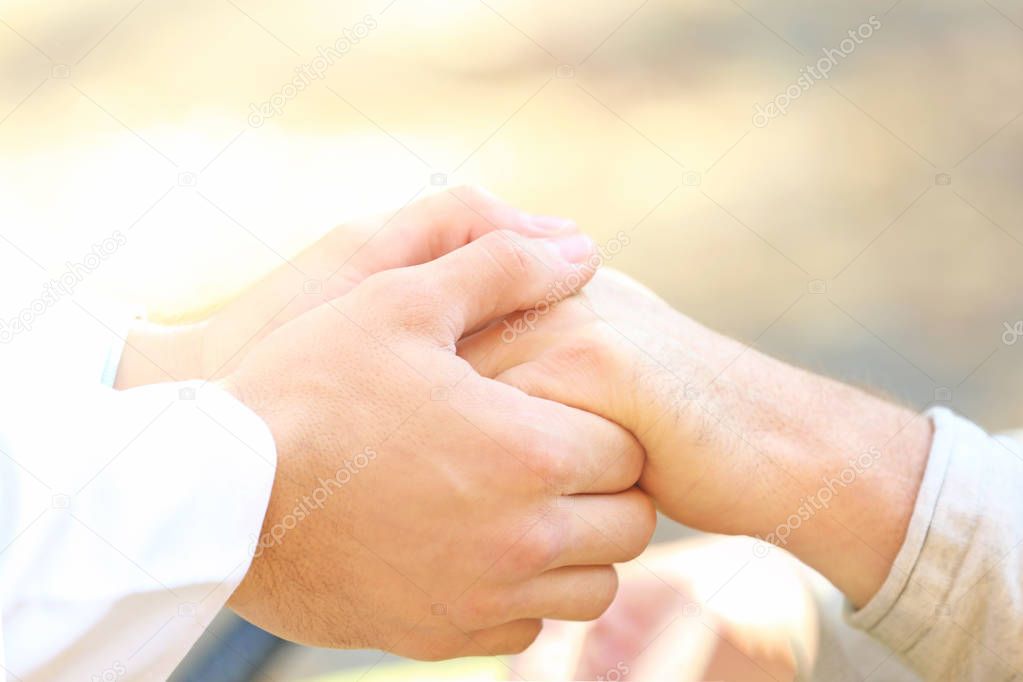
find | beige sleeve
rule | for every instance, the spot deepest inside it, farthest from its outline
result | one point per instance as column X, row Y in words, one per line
column 952, row 606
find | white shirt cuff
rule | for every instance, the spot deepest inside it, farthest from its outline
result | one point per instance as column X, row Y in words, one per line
column 131, row 517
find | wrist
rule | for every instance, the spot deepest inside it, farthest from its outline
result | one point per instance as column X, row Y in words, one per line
column 825, row 470
column 850, row 469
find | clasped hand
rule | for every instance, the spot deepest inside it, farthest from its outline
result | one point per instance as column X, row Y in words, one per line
column 507, row 474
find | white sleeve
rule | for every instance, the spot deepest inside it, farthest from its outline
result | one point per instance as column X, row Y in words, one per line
column 952, row 606
column 127, row 518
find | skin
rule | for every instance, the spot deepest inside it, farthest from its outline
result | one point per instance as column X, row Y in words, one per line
column 736, row 442
column 525, row 503
column 418, row 233
column 359, row 383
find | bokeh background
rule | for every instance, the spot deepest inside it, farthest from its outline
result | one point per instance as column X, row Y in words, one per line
column 873, row 232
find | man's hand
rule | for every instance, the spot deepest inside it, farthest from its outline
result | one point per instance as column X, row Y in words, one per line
column 419, row 507
column 417, row 233
column 736, row 442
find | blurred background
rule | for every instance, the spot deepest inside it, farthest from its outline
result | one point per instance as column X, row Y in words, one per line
column 872, row 232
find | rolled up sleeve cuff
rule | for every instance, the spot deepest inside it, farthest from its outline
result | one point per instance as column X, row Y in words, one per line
column 951, row 605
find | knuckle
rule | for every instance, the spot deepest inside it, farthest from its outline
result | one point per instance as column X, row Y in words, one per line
column 458, row 203
column 589, row 353
column 384, row 287
column 545, row 456
column 551, row 464
column 555, row 469
column 419, row 312
column 538, row 550
column 397, row 295
column 505, row 250
column 473, row 195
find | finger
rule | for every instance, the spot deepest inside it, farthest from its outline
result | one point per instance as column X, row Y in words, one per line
column 416, row 233
column 439, row 224
column 570, row 451
column 498, row 274
column 452, row 219
column 449, row 220
column 508, row 638
column 595, row 454
column 606, row 529
column 525, row 335
column 570, row 593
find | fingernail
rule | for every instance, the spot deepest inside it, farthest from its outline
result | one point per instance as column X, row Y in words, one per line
column 575, row 248
column 550, row 223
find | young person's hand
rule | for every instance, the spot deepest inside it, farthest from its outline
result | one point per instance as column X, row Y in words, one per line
column 736, row 441
column 419, row 507
column 418, row 233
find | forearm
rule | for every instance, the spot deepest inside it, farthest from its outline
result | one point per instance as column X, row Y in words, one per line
column 916, row 518
column 759, row 447
column 846, row 467
column 741, row 443
column 736, row 442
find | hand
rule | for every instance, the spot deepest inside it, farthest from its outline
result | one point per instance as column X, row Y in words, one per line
column 697, row 609
column 418, row 233
column 620, row 351
column 456, row 511
column 736, row 442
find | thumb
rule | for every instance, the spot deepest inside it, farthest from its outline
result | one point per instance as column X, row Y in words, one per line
column 503, row 272
column 439, row 224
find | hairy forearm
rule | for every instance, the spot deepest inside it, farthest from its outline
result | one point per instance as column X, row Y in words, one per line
column 841, row 467
column 736, row 442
